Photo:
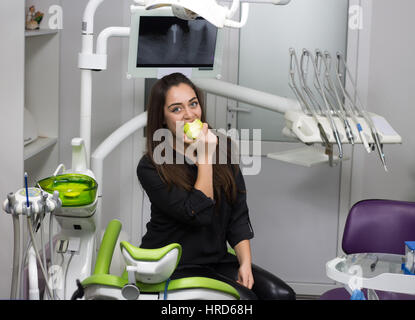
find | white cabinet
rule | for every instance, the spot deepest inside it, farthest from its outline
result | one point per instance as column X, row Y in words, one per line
column 41, row 99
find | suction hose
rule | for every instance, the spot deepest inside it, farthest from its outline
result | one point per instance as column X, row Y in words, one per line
column 32, row 237
column 16, row 256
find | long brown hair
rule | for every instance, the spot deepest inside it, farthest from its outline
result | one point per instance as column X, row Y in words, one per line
column 179, row 174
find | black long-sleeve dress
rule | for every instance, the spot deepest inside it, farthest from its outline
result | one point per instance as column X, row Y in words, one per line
column 191, row 219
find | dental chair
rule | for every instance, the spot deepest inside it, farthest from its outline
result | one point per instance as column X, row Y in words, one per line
column 146, row 276
column 377, row 226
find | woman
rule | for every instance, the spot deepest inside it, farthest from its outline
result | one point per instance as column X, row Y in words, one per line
column 199, row 203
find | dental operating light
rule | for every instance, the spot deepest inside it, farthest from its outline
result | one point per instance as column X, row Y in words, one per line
column 218, row 15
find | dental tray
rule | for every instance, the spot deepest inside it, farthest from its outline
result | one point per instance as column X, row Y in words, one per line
column 304, row 127
column 75, row 190
column 372, row 271
column 306, row 156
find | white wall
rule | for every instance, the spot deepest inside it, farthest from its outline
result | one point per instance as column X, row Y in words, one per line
column 11, row 125
column 389, row 92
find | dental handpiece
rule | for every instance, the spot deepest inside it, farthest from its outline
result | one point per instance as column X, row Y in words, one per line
column 365, row 115
column 376, row 139
column 323, row 133
column 375, row 135
column 350, row 109
column 341, row 115
column 326, row 58
column 299, row 98
column 380, row 150
column 293, row 86
column 327, row 110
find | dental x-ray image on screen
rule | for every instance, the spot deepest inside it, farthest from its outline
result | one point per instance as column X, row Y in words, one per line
column 173, row 42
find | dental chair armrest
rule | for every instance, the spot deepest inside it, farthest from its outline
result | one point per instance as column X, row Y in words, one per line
column 106, row 250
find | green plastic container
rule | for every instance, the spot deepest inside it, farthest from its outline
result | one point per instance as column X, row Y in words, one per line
column 75, row 189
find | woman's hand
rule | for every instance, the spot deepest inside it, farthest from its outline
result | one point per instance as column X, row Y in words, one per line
column 206, row 145
column 245, row 276
column 243, row 253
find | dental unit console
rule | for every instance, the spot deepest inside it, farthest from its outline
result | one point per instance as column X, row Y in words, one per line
column 332, row 116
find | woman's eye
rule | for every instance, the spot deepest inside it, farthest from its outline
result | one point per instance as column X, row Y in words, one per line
column 176, row 109
column 194, row 104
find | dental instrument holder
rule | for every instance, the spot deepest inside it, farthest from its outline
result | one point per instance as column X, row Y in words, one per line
column 305, row 129
column 39, row 202
column 327, row 110
column 408, row 266
column 315, row 107
column 331, row 90
column 310, row 127
column 30, row 203
column 305, row 106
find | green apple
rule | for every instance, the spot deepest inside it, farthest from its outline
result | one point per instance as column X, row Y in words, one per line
column 192, row 129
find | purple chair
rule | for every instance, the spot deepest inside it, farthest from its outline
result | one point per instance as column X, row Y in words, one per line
column 377, row 226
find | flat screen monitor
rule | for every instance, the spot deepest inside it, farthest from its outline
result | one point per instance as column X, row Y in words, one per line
column 161, row 43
